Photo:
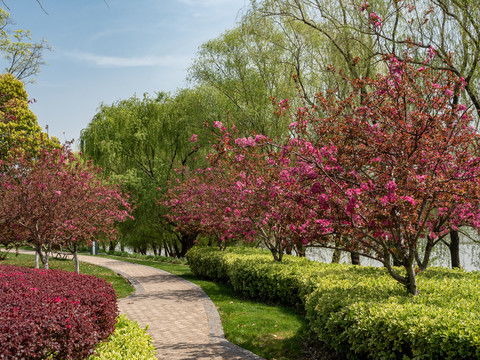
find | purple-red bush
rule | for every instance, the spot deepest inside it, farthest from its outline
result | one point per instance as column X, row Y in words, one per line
column 53, row 313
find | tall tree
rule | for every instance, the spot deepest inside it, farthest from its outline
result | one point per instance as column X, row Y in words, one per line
column 18, row 124
column 360, row 32
column 139, row 143
column 248, row 72
column 395, row 164
column 22, row 57
column 57, row 200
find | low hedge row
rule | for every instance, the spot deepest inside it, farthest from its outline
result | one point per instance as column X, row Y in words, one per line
column 129, row 341
column 359, row 312
column 53, row 314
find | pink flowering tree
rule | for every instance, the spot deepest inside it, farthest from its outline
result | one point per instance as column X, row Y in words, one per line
column 58, row 200
column 247, row 193
column 396, row 164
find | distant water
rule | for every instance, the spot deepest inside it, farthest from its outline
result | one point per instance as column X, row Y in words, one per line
column 469, row 255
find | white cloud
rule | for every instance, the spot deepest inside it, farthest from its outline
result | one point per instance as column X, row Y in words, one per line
column 135, row 61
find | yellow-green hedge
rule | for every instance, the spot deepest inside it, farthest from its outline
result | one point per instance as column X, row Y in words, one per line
column 128, row 341
column 360, row 312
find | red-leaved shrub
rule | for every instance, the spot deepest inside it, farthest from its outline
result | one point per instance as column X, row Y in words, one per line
column 53, row 314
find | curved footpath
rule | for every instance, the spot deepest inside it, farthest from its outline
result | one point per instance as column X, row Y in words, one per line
column 181, row 318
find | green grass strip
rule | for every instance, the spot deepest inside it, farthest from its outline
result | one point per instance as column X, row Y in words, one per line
column 269, row 330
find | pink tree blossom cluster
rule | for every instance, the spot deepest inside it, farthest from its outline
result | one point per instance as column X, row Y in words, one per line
column 394, row 165
column 57, row 200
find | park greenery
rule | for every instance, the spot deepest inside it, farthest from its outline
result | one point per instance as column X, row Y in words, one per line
column 350, row 126
column 357, row 312
column 49, row 196
column 279, row 57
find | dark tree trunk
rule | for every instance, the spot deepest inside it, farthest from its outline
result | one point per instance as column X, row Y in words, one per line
column 396, row 262
column 300, row 249
column 111, row 246
column 187, row 241
column 426, row 257
column 355, row 258
column 122, row 246
column 454, row 248
column 176, row 250
column 154, row 248
column 336, row 256
column 411, row 280
column 288, row 249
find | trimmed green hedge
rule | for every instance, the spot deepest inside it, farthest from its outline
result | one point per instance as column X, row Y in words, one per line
column 129, row 341
column 359, row 312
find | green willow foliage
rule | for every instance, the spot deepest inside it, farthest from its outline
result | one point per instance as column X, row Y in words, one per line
column 139, row 142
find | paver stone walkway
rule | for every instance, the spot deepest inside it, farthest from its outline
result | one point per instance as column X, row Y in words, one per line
column 181, row 318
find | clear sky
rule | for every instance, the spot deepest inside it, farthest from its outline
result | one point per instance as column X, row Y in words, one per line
column 103, row 53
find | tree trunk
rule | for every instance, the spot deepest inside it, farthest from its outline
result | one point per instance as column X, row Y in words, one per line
column 411, row 279
column 274, row 252
column 355, row 258
column 75, row 259
column 396, row 262
column 112, row 246
column 37, row 259
column 336, row 256
column 288, row 249
column 337, row 253
column 454, row 248
column 154, row 247
column 176, row 249
column 300, row 249
column 43, row 257
column 122, row 246
column 187, row 241
column 426, row 257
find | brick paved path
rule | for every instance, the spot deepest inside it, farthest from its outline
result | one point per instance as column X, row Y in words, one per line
column 181, row 318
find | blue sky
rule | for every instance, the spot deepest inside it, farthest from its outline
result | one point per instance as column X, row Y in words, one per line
column 106, row 53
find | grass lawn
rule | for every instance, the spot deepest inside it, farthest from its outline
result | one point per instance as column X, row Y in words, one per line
column 271, row 331
column 120, row 284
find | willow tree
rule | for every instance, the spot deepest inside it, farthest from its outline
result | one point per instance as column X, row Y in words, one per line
column 139, row 142
column 250, row 72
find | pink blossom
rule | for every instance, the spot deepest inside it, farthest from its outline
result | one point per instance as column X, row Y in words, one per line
column 217, row 124
column 194, row 138
column 375, row 20
column 391, row 186
column 259, row 138
column 409, row 199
